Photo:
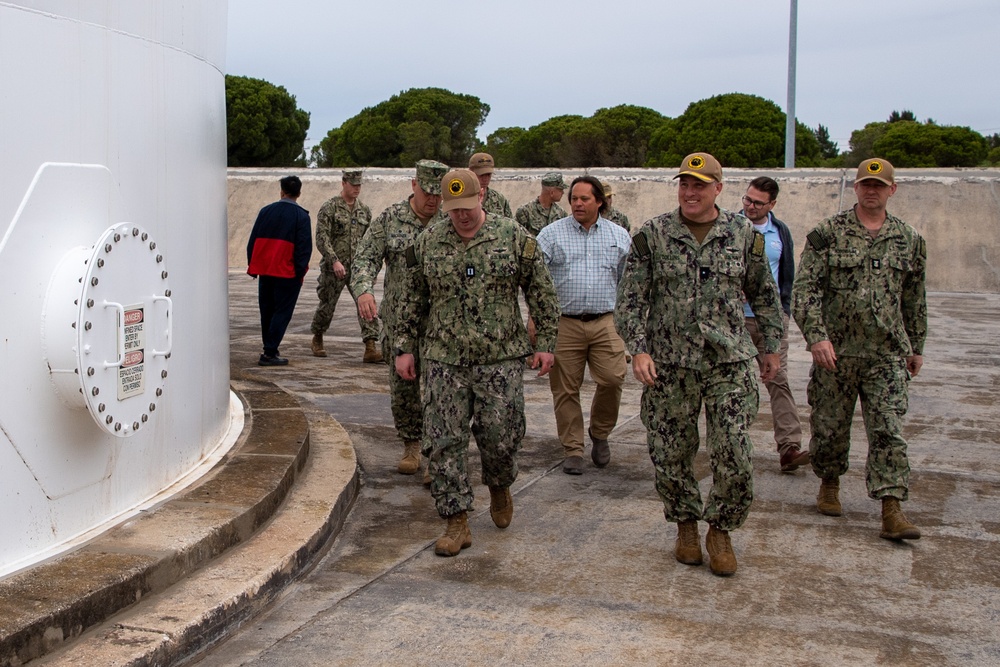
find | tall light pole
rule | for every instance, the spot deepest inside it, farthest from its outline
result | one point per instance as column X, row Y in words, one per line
column 793, row 19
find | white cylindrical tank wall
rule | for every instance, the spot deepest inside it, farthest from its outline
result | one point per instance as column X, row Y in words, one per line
column 114, row 353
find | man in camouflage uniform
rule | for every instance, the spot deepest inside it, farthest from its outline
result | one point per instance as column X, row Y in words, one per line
column 859, row 300
column 613, row 214
column 386, row 240
column 340, row 225
column 680, row 313
column 545, row 208
column 481, row 164
column 464, row 277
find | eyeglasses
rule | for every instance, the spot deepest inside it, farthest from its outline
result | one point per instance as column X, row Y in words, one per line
column 756, row 204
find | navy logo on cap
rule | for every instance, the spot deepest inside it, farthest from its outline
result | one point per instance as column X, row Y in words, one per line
column 456, row 187
column 697, row 162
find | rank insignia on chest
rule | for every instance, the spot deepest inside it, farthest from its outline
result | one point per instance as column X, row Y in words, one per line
column 704, row 273
column 758, row 245
column 470, row 272
column 876, row 263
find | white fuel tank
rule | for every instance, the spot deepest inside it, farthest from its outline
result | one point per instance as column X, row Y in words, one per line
column 114, row 350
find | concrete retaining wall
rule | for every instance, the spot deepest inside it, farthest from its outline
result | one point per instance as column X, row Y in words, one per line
column 957, row 211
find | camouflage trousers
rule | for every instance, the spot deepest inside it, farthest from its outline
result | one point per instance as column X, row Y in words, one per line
column 404, row 395
column 882, row 385
column 670, row 411
column 484, row 401
column 329, row 288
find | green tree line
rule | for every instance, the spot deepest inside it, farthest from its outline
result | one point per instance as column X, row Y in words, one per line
column 266, row 128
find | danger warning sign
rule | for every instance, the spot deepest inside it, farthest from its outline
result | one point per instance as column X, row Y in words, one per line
column 131, row 375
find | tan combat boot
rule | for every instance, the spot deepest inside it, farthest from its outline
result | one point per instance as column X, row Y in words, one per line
column 317, row 346
column 456, row 537
column 721, row 559
column 410, row 463
column 827, row 502
column 373, row 355
column 501, row 506
column 894, row 523
column 687, row 549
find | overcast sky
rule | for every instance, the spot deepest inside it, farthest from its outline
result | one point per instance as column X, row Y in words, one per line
column 858, row 60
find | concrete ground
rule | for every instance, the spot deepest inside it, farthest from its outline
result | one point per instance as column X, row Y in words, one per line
column 585, row 573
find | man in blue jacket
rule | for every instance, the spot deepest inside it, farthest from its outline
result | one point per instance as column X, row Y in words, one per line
column 758, row 202
column 278, row 253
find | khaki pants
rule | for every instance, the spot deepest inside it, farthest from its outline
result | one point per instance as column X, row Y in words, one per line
column 580, row 344
column 787, row 427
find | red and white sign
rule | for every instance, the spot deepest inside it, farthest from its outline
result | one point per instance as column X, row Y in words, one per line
column 131, row 375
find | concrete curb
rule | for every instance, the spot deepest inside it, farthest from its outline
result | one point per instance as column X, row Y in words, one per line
column 159, row 567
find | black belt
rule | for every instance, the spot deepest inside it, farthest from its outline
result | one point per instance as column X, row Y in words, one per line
column 587, row 317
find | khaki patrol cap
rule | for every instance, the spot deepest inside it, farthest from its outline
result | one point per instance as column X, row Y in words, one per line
column 702, row 166
column 481, row 163
column 353, row 176
column 429, row 173
column 877, row 169
column 459, row 189
column 554, row 179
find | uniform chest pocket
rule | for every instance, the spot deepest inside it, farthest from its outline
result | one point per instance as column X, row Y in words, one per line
column 395, row 249
column 725, row 274
column 672, row 267
column 845, row 270
column 898, row 263
column 730, row 267
column 498, row 268
column 441, row 270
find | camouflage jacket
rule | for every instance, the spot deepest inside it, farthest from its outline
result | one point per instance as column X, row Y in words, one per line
column 494, row 202
column 386, row 240
column 533, row 217
column 617, row 217
column 466, row 296
column 683, row 303
column 864, row 295
column 339, row 231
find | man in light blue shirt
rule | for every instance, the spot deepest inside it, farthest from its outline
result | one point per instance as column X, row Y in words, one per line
column 758, row 202
column 586, row 256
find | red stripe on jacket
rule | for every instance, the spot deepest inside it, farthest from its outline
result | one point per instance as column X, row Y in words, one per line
column 272, row 257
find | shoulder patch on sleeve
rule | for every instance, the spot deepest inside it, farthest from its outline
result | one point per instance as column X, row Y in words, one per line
column 640, row 246
column 757, row 249
column 922, row 248
column 528, row 250
column 411, row 257
column 816, row 240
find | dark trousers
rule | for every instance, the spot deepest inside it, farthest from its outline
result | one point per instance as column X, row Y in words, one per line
column 276, row 298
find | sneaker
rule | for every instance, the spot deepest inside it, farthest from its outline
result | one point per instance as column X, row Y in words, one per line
column 792, row 458
column 266, row 360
